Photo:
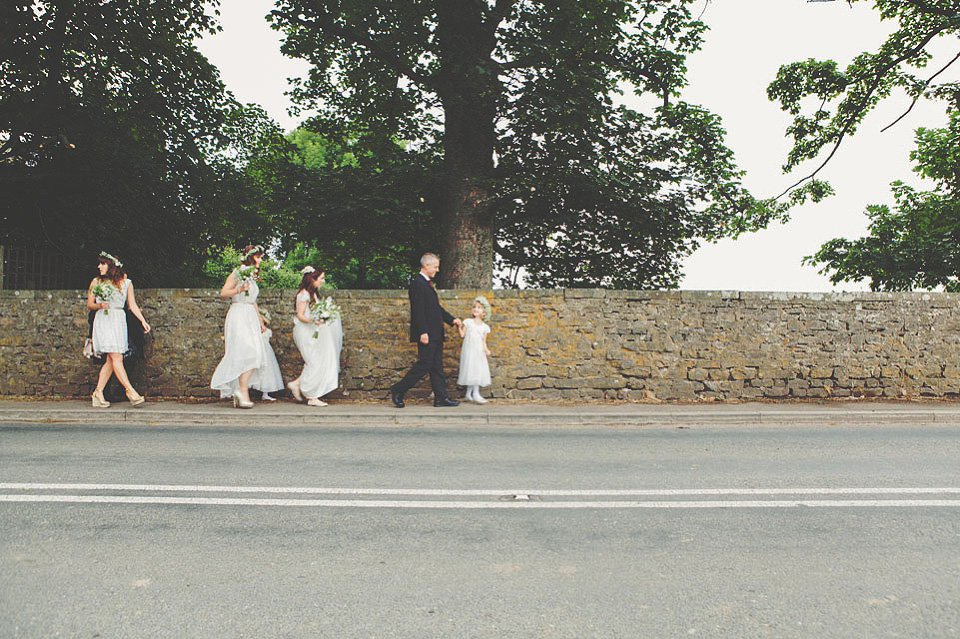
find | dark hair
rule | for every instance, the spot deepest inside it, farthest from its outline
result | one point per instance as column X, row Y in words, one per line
column 114, row 273
column 306, row 283
column 248, row 260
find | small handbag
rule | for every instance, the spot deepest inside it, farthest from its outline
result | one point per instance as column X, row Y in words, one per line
column 88, row 348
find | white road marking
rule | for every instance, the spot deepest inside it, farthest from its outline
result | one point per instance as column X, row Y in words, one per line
column 439, row 492
column 45, row 493
column 474, row 505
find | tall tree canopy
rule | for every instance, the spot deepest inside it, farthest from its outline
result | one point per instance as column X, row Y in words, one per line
column 914, row 244
column 114, row 135
column 542, row 164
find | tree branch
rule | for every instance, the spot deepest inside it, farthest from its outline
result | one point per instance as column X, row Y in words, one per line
column 706, row 4
column 500, row 12
column 528, row 61
column 917, row 97
column 874, row 85
column 936, row 11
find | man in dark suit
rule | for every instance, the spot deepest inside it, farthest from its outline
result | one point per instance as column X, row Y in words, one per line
column 426, row 329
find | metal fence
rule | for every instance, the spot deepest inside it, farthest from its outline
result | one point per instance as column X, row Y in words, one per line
column 32, row 269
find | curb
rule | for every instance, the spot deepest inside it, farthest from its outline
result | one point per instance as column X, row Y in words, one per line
column 525, row 416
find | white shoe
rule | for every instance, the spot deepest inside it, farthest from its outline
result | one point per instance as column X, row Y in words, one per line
column 266, row 397
column 314, row 401
column 240, row 402
column 478, row 399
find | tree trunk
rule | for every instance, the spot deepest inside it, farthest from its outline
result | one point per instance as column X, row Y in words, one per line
column 469, row 97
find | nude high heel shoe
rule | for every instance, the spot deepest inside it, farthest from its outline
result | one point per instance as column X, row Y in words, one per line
column 99, row 401
column 294, row 387
column 135, row 398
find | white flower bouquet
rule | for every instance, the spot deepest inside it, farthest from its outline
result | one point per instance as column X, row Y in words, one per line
column 245, row 275
column 324, row 309
column 103, row 291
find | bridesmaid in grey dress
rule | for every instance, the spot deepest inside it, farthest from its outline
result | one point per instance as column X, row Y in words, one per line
column 109, row 291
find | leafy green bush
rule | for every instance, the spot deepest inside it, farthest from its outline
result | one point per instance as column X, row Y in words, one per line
column 273, row 274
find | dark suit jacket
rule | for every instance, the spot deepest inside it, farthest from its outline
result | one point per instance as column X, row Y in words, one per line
column 426, row 315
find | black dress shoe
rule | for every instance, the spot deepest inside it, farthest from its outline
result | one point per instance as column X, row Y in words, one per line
column 397, row 399
column 446, row 401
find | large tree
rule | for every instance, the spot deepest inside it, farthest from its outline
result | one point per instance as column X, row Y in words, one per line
column 114, row 134
column 542, row 164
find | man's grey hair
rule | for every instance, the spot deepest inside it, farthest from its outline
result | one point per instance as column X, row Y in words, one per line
column 428, row 258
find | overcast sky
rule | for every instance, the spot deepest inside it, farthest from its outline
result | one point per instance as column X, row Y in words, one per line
column 748, row 40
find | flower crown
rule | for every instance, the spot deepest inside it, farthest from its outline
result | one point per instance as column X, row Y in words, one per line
column 307, row 269
column 256, row 249
column 115, row 261
column 482, row 301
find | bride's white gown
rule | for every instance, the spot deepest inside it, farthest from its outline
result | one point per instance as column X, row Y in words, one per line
column 321, row 354
column 243, row 345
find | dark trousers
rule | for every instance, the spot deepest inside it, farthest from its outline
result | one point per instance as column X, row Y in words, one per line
column 430, row 360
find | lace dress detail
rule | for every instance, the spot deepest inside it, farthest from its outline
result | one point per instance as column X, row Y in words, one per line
column 110, row 329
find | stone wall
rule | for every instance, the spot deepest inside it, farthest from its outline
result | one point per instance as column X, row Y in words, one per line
column 546, row 344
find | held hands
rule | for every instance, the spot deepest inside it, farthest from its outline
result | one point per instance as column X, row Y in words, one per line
column 241, row 289
column 425, row 339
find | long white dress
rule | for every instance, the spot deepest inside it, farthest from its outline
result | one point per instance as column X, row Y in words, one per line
column 321, row 354
column 243, row 344
column 110, row 328
column 474, row 368
column 270, row 378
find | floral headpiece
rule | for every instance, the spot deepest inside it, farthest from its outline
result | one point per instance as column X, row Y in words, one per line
column 256, row 249
column 307, row 270
column 115, row 261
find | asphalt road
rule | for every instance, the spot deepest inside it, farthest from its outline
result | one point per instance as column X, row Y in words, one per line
column 723, row 531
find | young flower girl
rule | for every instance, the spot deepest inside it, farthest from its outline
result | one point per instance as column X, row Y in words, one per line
column 474, row 368
column 270, row 380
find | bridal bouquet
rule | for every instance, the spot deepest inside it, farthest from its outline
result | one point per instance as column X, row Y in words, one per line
column 245, row 275
column 324, row 309
column 104, row 291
